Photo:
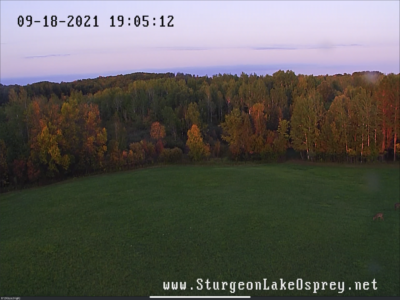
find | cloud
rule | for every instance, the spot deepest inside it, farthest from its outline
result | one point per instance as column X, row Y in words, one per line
column 46, row 56
column 323, row 46
column 186, row 48
column 276, row 48
column 327, row 46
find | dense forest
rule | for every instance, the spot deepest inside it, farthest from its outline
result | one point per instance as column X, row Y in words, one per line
column 50, row 131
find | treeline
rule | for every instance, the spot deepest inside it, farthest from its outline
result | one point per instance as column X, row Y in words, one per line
column 50, row 130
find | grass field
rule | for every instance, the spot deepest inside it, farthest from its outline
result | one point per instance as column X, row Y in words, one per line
column 123, row 234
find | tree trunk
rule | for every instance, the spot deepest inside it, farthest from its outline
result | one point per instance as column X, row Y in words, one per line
column 395, row 133
column 362, row 146
column 308, row 156
column 383, row 139
column 394, row 146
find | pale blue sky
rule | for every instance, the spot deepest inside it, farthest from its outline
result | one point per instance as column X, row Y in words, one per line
column 208, row 37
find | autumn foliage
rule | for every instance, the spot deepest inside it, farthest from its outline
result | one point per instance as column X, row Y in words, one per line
column 54, row 131
column 197, row 149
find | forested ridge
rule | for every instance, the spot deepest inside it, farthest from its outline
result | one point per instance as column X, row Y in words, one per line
column 54, row 131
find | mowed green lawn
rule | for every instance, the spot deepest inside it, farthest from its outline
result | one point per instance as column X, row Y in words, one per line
column 123, row 234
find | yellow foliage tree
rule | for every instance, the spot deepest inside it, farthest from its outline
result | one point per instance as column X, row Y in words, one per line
column 49, row 151
column 198, row 150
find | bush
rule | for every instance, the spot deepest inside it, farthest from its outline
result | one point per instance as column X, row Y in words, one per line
column 171, row 155
column 136, row 155
column 149, row 150
column 268, row 155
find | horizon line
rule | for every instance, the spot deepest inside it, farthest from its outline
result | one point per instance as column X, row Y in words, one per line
column 70, row 78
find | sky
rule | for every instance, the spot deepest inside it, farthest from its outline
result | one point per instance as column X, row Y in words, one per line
column 207, row 38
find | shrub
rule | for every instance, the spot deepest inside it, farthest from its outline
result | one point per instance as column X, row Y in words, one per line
column 136, row 155
column 149, row 150
column 171, row 155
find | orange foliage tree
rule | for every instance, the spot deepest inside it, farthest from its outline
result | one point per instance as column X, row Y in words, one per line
column 157, row 132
